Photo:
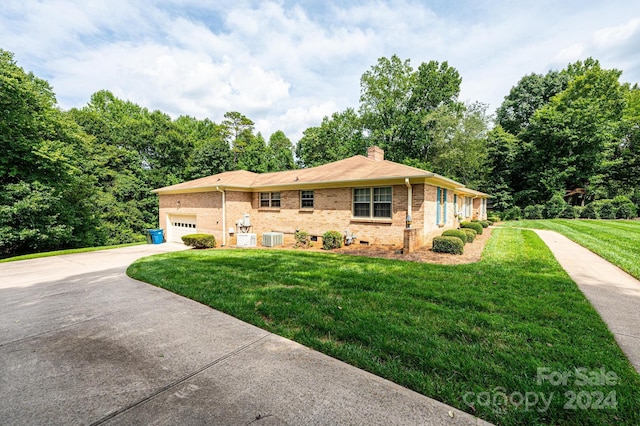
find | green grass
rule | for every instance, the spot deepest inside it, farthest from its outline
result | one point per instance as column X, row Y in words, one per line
column 68, row 251
column 449, row 332
column 618, row 241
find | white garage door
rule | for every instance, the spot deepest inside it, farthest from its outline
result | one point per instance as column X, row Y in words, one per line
column 179, row 226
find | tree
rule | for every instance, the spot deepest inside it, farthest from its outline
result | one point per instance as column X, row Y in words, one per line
column 385, row 93
column 132, row 152
column 212, row 153
column 395, row 100
column 254, row 156
column 621, row 175
column 531, row 93
column 337, row 137
column 280, row 153
column 240, row 129
column 458, row 142
column 568, row 138
column 46, row 191
column 502, row 148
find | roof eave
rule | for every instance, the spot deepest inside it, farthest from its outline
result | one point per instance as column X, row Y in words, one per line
column 394, row 180
column 207, row 188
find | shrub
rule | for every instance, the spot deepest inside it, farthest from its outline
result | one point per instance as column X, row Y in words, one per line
column 589, row 211
column 453, row 245
column 199, row 241
column 606, row 209
column 303, row 239
column 570, row 212
column 578, row 210
column 484, row 223
column 624, row 208
column 332, row 240
column 456, row 233
column 473, row 225
column 534, row 212
column 494, row 218
column 514, row 213
column 554, row 207
column 471, row 234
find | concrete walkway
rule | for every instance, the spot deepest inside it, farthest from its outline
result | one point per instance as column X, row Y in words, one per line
column 81, row 343
column 612, row 292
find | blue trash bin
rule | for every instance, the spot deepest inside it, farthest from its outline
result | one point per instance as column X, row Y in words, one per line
column 157, row 236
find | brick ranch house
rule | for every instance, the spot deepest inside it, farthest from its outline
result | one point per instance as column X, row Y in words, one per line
column 369, row 197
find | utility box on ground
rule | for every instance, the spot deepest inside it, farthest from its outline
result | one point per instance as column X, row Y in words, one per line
column 272, row 239
column 246, row 240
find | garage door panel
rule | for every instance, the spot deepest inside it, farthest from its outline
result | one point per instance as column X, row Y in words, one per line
column 180, row 226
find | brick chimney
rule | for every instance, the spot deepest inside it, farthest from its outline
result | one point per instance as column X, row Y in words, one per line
column 375, row 153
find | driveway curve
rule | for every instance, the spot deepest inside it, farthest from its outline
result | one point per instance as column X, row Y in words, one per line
column 82, row 343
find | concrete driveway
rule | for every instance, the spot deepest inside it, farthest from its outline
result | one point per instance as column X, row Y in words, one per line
column 81, row 343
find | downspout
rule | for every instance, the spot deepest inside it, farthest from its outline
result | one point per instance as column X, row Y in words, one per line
column 224, row 217
column 409, row 201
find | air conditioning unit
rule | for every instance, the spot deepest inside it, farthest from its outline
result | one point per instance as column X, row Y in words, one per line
column 271, row 239
column 246, row 240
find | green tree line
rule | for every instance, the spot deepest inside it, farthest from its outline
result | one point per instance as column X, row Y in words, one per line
column 572, row 134
column 83, row 177
column 574, row 131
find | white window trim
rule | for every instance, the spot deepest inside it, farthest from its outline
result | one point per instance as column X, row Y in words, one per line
column 441, row 208
column 371, row 204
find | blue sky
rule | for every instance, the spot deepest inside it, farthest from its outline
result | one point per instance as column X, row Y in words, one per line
column 287, row 64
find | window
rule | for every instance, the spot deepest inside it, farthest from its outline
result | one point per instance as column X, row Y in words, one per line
column 455, row 205
column 382, row 202
column 269, row 199
column 372, row 202
column 362, row 202
column 441, row 206
column 306, row 199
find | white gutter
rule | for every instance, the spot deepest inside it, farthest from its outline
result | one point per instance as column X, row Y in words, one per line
column 409, row 201
column 224, row 217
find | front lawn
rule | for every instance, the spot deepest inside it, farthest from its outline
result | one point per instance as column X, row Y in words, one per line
column 618, row 241
column 473, row 336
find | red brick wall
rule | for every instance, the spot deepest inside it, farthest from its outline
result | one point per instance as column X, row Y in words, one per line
column 332, row 211
column 205, row 205
column 432, row 227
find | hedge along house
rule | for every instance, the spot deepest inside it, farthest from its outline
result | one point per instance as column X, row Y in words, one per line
column 378, row 201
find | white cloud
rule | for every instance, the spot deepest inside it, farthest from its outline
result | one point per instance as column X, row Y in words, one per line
column 616, row 35
column 295, row 120
column 569, row 54
column 287, row 64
